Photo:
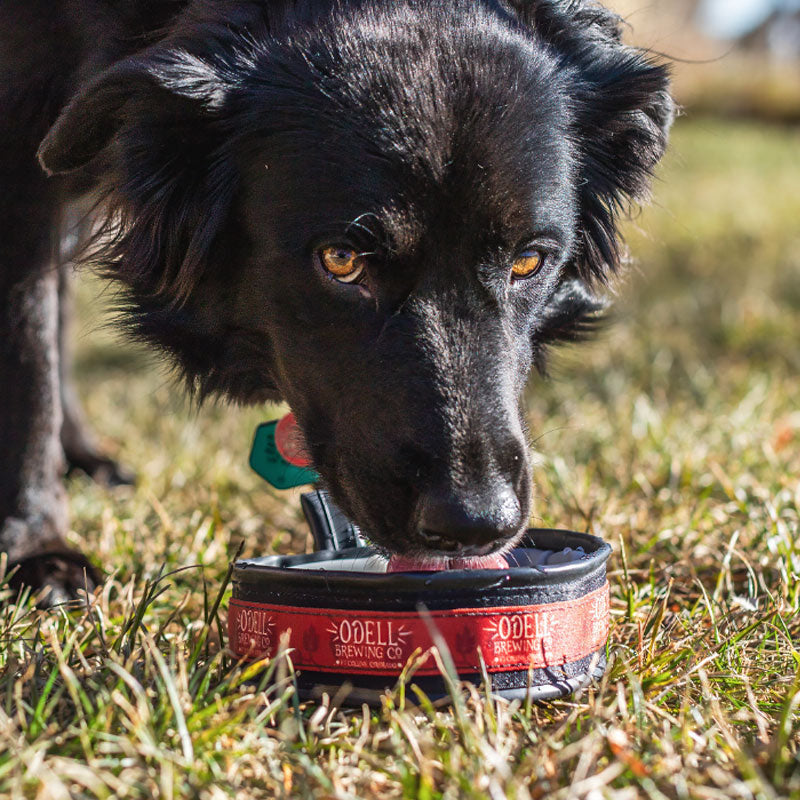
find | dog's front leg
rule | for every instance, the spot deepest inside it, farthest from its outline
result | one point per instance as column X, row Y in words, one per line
column 33, row 517
column 81, row 448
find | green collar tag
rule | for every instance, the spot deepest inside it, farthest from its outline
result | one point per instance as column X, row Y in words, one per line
column 266, row 460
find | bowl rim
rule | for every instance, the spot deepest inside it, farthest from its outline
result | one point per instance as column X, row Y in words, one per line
column 280, row 570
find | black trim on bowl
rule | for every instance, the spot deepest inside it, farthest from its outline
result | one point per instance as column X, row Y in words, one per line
column 540, row 684
column 271, row 580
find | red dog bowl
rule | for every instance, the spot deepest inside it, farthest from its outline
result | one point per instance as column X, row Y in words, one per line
column 538, row 627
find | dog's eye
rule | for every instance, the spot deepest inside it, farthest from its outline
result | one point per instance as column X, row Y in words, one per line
column 344, row 264
column 527, row 264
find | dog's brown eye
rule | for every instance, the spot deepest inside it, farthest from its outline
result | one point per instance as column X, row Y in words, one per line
column 527, row 264
column 344, row 264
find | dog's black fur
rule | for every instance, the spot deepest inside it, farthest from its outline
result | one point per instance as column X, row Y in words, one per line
column 230, row 140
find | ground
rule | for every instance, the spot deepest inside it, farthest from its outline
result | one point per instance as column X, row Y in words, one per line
column 676, row 436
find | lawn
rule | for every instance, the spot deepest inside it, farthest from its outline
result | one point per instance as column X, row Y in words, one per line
column 676, row 436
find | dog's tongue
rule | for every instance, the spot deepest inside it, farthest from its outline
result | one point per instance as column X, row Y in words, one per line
column 407, row 564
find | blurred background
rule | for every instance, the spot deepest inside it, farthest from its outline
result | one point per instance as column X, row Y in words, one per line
column 676, row 430
column 732, row 57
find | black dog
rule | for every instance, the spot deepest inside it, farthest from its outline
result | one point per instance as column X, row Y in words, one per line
column 380, row 211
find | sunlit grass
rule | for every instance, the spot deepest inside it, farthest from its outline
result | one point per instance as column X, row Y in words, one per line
column 676, row 436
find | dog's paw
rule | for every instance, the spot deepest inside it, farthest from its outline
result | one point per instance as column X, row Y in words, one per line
column 100, row 468
column 55, row 577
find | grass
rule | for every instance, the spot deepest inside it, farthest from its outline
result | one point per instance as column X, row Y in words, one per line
column 676, row 436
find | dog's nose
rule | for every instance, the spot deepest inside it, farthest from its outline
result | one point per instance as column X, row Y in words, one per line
column 455, row 521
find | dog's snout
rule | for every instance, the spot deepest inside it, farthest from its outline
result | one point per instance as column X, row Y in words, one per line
column 453, row 521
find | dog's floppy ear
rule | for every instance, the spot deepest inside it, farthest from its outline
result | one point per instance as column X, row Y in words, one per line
column 149, row 133
column 622, row 112
column 171, row 78
column 92, row 117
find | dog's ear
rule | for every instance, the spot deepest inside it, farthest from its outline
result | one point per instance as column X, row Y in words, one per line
column 622, row 113
column 89, row 121
column 180, row 84
column 149, row 133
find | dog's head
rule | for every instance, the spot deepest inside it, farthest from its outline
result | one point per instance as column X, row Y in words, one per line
column 382, row 212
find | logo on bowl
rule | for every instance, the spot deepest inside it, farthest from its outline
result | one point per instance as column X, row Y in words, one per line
column 517, row 634
column 599, row 612
column 255, row 631
column 369, row 643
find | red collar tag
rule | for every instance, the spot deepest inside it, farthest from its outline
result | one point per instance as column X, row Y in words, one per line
column 279, row 456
